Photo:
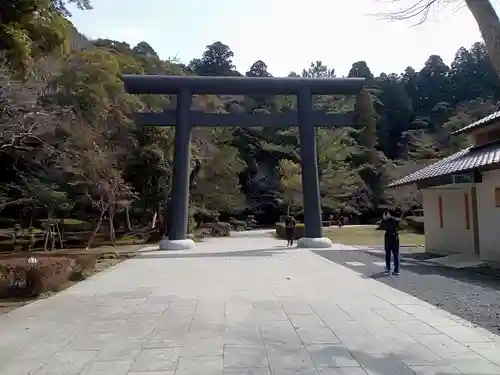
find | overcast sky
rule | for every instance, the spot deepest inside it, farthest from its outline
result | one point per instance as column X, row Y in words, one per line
column 286, row 34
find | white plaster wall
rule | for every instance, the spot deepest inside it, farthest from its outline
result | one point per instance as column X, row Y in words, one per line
column 454, row 237
column 489, row 217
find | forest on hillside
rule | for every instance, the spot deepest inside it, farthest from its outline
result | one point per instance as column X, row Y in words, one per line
column 70, row 150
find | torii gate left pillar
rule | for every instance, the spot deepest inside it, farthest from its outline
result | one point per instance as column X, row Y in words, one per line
column 183, row 119
column 180, row 176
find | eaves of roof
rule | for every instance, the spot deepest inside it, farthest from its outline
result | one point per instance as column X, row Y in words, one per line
column 462, row 161
column 478, row 124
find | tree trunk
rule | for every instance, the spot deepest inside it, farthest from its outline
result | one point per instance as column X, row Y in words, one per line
column 52, row 238
column 489, row 25
column 289, row 208
column 153, row 221
column 98, row 226
column 127, row 219
column 161, row 218
column 46, row 243
column 48, row 232
column 111, row 220
column 32, row 215
column 60, row 235
column 61, row 229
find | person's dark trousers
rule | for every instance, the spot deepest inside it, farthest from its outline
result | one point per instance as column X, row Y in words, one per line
column 391, row 244
column 290, row 233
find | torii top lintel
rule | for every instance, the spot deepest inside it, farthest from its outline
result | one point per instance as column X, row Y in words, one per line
column 171, row 85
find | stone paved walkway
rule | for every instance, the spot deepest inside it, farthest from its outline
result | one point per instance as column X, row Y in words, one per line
column 243, row 305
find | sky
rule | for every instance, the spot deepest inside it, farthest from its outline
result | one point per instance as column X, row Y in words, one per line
column 286, row 34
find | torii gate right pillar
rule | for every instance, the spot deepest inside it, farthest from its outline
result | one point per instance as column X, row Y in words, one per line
column 310, row 180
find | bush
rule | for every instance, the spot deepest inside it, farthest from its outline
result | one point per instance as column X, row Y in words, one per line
column 299, row 231
column 84, row 267
column 18, row 277
column 221, row 229
column 238, row 225
column 74, row 225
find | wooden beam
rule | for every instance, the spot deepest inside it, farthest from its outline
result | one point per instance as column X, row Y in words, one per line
column 164, row 84
column 245, row 120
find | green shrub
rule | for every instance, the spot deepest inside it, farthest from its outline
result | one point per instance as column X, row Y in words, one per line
column 84, row 266
column 238, row 225
column 74, row 225
column 220, row 229
column 281, row 231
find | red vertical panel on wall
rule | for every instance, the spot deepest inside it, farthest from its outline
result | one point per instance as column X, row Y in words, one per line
column 467, row 212
column 440, row 212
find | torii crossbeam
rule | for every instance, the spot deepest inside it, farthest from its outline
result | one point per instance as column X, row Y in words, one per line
column 184, row 119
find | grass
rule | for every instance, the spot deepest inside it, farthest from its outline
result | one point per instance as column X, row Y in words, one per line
column 368, row 235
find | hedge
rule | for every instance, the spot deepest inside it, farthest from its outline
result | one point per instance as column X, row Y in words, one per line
column 20, row 278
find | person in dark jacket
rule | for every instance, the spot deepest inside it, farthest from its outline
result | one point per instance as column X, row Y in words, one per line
column 290, row 225
column 390, row 224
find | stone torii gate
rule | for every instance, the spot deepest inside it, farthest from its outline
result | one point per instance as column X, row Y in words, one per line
column 183, row 118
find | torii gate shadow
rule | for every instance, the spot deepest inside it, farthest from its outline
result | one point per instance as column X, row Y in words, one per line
column 269, row 252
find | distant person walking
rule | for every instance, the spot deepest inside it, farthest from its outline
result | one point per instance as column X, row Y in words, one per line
column 390, row 224
column 290, row 225
column 340, row 221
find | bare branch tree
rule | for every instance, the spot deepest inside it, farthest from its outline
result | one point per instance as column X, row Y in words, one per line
column 482, row 10
column 417, row 9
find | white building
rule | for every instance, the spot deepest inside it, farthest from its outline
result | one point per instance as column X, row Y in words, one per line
column 461, row 195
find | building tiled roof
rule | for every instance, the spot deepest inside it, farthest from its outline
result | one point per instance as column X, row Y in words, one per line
column 464, row 160
column 478, row 124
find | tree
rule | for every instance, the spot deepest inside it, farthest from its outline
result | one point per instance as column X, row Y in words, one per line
column 258, row 69
column 360, row 69
column 291, row 182
column 318, row 70
column 90, row 83
column 144, row 49
column 30, row 29
column 396, row 116
column 96, row 175
column 47, row 189
column 27, row 136
column 338, row 181
column 61, row 5
column 215, row 61
column 483, row 11
column 267, row 103
column 218, row 188
column 148, row 170
column 433, row 84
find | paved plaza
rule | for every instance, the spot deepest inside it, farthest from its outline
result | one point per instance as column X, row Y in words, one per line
column 239, row 306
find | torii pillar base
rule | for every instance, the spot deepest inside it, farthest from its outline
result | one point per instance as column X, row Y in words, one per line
column 185, row 244
column 314, row 243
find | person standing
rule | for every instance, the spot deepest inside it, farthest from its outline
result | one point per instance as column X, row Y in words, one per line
column 390, row 224
column 290, row 225
column 340, row 221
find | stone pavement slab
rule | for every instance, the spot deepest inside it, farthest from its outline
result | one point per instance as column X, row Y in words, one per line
column 241, row 305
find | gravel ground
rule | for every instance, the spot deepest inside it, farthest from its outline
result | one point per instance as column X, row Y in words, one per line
column 471, row 295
